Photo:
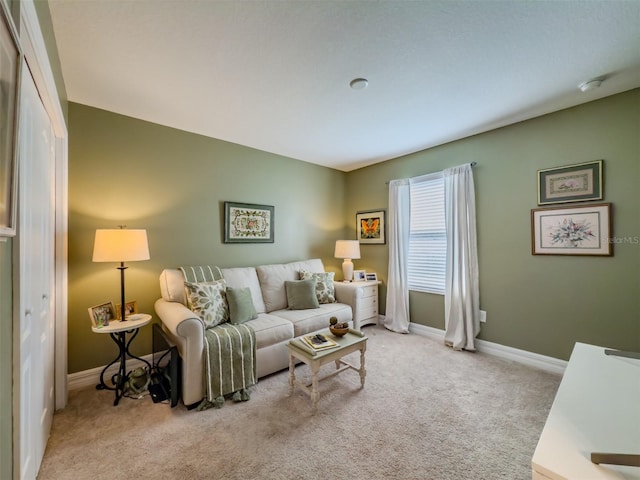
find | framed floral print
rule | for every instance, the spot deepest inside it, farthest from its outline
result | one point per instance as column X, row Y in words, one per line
column 583, row 230
column 248, row 223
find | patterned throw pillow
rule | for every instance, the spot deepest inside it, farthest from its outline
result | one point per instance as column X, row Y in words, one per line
column 209, row 301
column 325, row 291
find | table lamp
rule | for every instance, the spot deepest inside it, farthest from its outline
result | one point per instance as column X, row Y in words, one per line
column 347, row 249
column 120, row 245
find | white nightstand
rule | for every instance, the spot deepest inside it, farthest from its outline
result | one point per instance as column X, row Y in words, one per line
column 364, row 301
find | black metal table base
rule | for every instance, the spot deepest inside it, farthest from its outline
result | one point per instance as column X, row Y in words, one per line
column 118, row 380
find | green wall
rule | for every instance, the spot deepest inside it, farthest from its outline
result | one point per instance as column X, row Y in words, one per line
column 174, row 183
column 543, row 304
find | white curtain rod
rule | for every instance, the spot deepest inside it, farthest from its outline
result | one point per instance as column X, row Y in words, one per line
column 473, row 164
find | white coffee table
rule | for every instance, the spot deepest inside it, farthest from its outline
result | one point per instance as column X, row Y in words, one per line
column 349, row 343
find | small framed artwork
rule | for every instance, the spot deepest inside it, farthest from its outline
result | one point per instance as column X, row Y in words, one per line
column 359, row 275
column 371, row 277
column 584, row 230
column 130, row 308
column 370, row 227
column 101, row 315
column 573, row 183
column 248, row 223
column 10, row 65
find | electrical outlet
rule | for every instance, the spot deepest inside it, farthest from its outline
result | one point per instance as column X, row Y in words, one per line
column 483, row 316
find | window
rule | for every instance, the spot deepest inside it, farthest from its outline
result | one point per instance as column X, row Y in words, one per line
column 427, row 238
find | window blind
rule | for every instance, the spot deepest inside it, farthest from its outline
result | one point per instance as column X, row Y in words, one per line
column 427, row 238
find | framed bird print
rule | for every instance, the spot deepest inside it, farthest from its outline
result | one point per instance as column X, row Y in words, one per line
column 370, row 226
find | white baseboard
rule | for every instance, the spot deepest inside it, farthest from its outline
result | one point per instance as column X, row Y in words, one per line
column 536, row 360
column 91, row 377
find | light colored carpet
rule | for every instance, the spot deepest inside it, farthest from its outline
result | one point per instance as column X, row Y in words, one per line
column 426, row 412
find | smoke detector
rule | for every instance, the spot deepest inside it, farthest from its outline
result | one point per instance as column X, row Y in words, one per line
column 590, row 85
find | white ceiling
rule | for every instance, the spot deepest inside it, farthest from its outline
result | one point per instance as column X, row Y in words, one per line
column 274, row 75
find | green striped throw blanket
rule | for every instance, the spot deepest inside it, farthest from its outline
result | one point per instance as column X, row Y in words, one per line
column 202, row 273
column 230, row 352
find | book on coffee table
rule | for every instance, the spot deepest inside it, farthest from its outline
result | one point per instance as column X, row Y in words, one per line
column 318, row 341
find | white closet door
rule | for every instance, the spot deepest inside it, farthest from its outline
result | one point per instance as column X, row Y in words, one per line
column 36, row 278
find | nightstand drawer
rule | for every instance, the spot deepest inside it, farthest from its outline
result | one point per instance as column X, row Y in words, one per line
column 367, row 311
column 370, row 291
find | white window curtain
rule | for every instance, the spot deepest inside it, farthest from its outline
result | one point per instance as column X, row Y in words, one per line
column 397, row 311
column 462, row 290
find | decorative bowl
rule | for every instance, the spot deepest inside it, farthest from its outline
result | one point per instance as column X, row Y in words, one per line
column 338, row 332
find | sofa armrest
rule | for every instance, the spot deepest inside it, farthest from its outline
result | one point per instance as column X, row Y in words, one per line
column 187, row 331
column 345, row 293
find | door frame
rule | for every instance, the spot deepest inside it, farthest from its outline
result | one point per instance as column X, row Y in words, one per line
column 37, row 61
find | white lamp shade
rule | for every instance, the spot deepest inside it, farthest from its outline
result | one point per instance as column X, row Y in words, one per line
column 120, row 245
column 347, row 249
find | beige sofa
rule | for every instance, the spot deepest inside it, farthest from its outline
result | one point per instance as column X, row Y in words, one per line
column 275, row 325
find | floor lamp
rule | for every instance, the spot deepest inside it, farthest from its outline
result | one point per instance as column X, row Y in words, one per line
column 120, row 245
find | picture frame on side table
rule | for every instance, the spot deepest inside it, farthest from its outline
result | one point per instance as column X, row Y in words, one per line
column 248, row 223
column 371, row 277
column 371, row 227
column 359, row 275
column 102, row 314
column 574, row 183
column 130, row 308
column 583, row 230
column 10, row 71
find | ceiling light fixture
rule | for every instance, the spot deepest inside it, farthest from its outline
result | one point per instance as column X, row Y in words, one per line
column 590, row 85
column 359, row 83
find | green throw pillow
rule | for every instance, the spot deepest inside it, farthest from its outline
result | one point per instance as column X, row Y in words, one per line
column 208, row 301
column 301, row 294
column 325, row 291
column 241, row 307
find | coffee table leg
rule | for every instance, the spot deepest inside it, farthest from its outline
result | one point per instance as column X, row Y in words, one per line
column 315, row 395
column 292, row 374
column 363, row 372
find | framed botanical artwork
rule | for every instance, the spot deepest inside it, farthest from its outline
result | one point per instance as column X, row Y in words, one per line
column 248, row 223
column 101, row 315
column 370, row 227
column 130, row 308
column 371, row 277
column 573, row 183
column 10, row 65
column 583, row 230
column 359, row 275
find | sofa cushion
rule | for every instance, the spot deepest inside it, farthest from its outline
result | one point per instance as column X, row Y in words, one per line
column 241, row 307
column 301, row 294
column 272, row 278
column 172, row 286
column 307, row 321
column 325, row 290
column 208, row 301
column 271, row 330
column 245, row 277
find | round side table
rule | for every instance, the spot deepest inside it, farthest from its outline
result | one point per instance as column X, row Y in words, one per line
column 118, row 329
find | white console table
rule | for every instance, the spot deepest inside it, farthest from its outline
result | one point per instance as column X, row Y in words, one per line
column 596, row 409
